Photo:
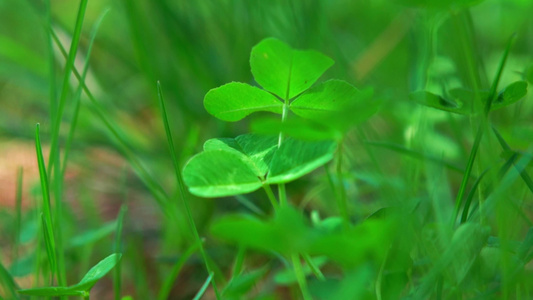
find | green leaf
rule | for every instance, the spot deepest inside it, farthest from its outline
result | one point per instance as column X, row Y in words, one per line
column 296, row 158
column 235, row 100
column 81, row 288
column 258, row 148
column 98, row 271
column 52, row 292
column 243, row 283
column 286, row 233
column 438, row 102
column 335, row 103
column 511, row 94
column 295, row 127
column 219, row 173
column 288, row 277
column 284, row 71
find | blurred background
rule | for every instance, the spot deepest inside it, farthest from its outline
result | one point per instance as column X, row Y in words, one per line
column 395, row 47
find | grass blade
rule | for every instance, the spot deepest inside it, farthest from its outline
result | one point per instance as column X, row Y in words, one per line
column 77, row 98
column 118, row 240
column 415, row 154
column 470, row 196
column 153, row 186
column 524, row 174
column 56, row 122
column 480, row 131
column 169, row 281
column 203, row 288
column 8, row 283
column 181, row 185
column 18, row 211
column 47, row 214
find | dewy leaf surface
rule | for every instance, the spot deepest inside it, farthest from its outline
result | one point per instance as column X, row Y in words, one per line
column 336, row 103
column 284, row 71
column 258, row 148
column 220, row 173
column 235, row 100
column 295, row 158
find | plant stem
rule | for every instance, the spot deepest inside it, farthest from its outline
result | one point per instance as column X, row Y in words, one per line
column 300, row 276
column 271, row 196
column 342, row 198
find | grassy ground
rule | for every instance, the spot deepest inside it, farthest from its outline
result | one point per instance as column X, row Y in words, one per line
column 439, row 196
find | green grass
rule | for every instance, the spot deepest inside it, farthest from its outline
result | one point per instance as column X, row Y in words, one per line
column 257, row 175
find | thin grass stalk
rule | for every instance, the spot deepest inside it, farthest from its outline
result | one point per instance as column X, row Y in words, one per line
column 481, row 130
column 46, row 216
column 117, row 274
column 181, row 187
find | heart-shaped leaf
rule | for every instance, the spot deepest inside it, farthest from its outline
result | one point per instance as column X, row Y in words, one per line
column 235, row 100
column 284, row 71
column 258, row 148
column 511, row 94
column 335, row 103
column 220, row 173
column 84, row 286
column 295, row 158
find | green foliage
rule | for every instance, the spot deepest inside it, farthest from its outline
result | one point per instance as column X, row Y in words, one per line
column 284, row 71
column 83, row 287
column 462, row 100
column 416, row 204
column 289, row 233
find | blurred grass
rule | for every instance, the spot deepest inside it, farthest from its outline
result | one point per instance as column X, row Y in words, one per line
column 193, row 46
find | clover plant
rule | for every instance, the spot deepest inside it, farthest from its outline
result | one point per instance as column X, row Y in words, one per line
column 307, row 134
column 232, row 166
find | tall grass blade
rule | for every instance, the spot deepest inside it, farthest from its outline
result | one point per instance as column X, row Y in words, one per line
column 56, row 122
column 77, row 97
column 153, row 186
column 470, row 196
column 47, row 213
column 181, row 185
column 117, row 275
column 506, row 148
column 481, row 130
column 8, row 284
column 18, row 211
column 415, row 154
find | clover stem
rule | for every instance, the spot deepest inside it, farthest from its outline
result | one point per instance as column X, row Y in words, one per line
column 281, row 187
column 271, row 196
column 282, row 194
